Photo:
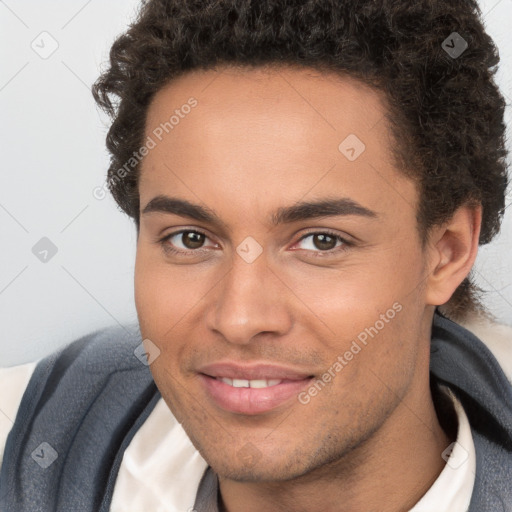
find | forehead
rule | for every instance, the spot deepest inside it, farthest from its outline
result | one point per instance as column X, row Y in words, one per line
column 327, row 100
column 280, row 133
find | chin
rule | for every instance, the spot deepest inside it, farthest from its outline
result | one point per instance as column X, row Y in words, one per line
column 239, row 473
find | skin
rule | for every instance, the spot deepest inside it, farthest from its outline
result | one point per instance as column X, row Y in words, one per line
column 260, row 139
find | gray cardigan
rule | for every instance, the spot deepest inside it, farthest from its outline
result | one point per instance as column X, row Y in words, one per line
column 86, row 402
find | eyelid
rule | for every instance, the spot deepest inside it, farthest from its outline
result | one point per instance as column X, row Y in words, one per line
column 327, row 231
column 346, row 242
column 162, row 240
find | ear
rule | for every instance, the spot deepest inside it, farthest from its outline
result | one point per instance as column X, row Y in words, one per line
column 452, row 250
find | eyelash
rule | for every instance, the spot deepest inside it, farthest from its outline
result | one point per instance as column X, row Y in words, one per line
column 331, row 252
column 169, row 249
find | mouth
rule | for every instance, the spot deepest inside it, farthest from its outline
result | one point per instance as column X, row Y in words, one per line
column 251, row 390
column 253, row 384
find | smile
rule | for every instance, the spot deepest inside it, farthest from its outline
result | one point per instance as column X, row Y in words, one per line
column 256, row 383
column 251, row 396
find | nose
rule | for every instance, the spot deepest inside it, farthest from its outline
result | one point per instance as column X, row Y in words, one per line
column 249, row 300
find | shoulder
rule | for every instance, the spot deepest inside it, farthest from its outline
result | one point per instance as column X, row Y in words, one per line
column 94, row 356
column 13, row 382
column 80, row 409
column 110, row 349
column 497, row 337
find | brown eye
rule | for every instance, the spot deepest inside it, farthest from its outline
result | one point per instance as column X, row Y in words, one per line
column 183, row 241
column 192, row 239
column 320, row 241
column 324, row 241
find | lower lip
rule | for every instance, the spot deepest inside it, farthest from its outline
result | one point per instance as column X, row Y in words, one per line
column 251, row 400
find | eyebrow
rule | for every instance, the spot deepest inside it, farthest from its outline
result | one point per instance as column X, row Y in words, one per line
column 303, row 210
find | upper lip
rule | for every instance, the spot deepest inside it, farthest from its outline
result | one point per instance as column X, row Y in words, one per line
column 258, row 371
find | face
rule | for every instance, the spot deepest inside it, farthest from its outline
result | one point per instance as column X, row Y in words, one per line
column 279, row 268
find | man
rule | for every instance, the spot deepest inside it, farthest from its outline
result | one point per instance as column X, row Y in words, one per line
column 309, row 188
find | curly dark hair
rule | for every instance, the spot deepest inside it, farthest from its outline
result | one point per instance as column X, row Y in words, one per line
column 445, row 111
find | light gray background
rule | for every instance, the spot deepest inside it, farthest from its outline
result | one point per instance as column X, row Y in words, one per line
column 53, row 156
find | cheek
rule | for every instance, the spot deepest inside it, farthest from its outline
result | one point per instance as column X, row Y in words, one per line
column 347, row 299
column 163, row 296
column 162, row 304
column 371, row 302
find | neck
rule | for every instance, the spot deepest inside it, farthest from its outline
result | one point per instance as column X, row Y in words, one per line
column 388, row 472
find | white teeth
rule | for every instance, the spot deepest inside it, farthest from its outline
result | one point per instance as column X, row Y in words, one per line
column 256, row 383
column 240, row 383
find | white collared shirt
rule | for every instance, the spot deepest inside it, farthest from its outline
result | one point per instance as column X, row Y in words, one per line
column 452, row 490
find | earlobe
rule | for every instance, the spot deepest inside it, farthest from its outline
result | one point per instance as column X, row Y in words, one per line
column 452, row 252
